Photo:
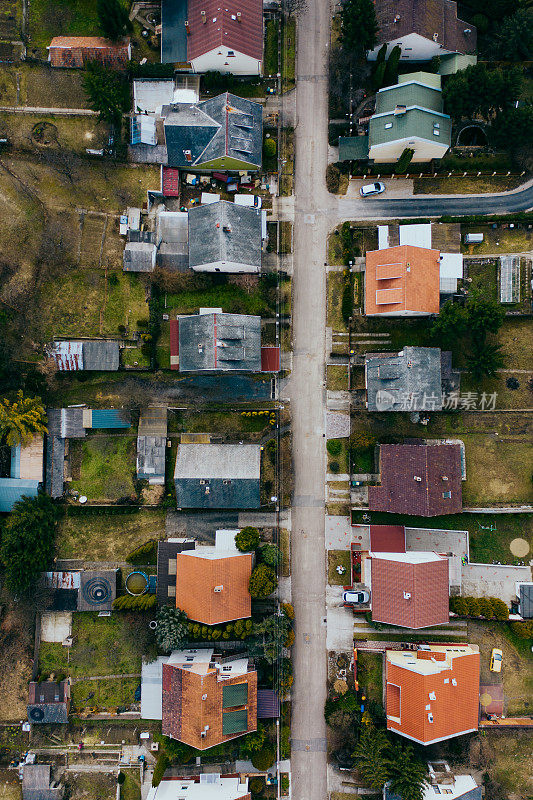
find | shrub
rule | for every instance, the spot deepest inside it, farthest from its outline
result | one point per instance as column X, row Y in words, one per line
column 285, row 673
column 263, row 582
column 486, row 608
column 121, row 778
column 269, row 147
column 472, row 606
column 334, row 467
column 271, row 555
column 247, row 539
column 347, row 299
column 264, row 759
column 499, row 608
column 285, row 784
column 288, row 610
column 334, row 447
column 144, row 554
column 256, row 785
column 162, row 763
column 333, row 178
column 404, row 161
column 289, row 641
column 128, row 602
column 459, row 606
column 524, row 630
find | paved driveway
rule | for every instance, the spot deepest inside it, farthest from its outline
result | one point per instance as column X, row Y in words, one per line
column 491, row 580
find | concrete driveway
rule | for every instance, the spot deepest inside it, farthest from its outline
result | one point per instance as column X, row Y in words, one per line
column 340, row 622
column 493, row 580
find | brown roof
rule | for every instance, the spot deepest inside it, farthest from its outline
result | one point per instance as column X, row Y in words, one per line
column 425, row 17
column 425, row 581
column 402, row 279
column 75, row 51
column 48, row 691
column 223, row 28
column 401, row 492
column 387, row 538
column 453, row 683
column 191, row 701
column 196, row 581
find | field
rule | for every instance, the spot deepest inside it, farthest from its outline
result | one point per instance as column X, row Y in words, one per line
column 105, row 466
column 239, row 294
column 91, row 786
column 103, row 647
column 107, row 537
column 517, row 664
column 40, row 85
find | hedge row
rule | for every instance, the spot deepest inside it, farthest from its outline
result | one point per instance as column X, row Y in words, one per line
column 488, row 607
column 144, row 554
column 127, row 602
column 240, row 629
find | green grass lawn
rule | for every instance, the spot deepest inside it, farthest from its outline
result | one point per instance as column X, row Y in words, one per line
column 131, row 788
column 370, row 675
column 70, row 18
column 342, row 459
column 338, row 558
column 271, row 48
column 232, row 299
column 107, row 467
column 498, row 240
column 337, row 377
column 107, row 537
column 288, row 53
column 102, row 646
column 134, row 357
column 485, row 545
column 335, row 288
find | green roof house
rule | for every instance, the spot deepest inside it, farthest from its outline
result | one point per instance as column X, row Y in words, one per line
column 408, row 115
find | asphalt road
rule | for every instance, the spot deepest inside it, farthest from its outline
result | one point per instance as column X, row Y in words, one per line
column 307, row 394
column 434, row 205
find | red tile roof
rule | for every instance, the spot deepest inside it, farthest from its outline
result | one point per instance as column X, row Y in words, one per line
column 270, row 359
column 223, row 28
column 387, row 538
column 401, row 465
column 76, row 51
column 402, row 279
column 170, row 182
column 439, row 704
column 410, row 592
column 197, row 580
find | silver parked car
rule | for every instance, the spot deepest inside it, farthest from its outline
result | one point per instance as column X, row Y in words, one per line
column 372, row 188
column 355, row 598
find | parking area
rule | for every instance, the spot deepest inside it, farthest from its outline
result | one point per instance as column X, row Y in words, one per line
column 493, row 580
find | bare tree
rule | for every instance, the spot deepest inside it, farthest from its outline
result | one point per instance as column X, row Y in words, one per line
column 295, row 7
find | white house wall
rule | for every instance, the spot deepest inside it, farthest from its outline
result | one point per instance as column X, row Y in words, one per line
column 225, row 266
column 238, row 64
column 391, row 151
column 414, row 48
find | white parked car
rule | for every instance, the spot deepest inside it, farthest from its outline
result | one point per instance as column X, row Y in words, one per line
column 355, row 597
column 372, row 188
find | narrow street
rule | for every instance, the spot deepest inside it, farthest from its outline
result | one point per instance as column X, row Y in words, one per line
column 308, row 763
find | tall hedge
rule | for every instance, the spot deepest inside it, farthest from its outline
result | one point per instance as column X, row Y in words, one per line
column 162, row 763
column 404, row 161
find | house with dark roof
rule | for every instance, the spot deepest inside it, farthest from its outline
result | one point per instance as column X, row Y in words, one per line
column 202, row 699
column 410, row 380
column 409, row 590
column 25, row 473
column 211, row 583
column 408, row 115
column 151, row 445
column 432, row 694
column 442, row 780
column 218, row 475
column 37, row 783
column 225, row 237
column 77, row 51
column 423, row 29
column 102, row 355
column 524, row 593
column 219, row 343
column 419, row 479
column 207, row 36
column 48, row 702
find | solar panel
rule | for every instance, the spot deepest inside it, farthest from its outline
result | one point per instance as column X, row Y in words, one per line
column 509, row 279
column 244, row 145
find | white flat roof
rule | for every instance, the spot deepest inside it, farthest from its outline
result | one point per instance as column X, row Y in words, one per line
column 451, row 265
column 149, row 95
column 212, row 786
column 410, row 558
column 417, row 235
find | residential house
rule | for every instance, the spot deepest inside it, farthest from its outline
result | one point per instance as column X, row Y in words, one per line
column 211, row 583
column 408, row 115
column 151, row 445
column 222, row 133
column 524, row 593
column 423, row 29
column 102, row 355
column 139, row 255
column 432, row 694
column 226, row 237
column 73, row 423
column 77, row 51
column 402, row 281
column 442, row 780
column 208, row 786
column 201, row 698
column 205, row 36
column 218, row 475
column 409, row 590
column 218, row 342
column 167, row 552
column 48, row 702
column 25, row 473
column 37, row 783
column 406, row 381
column 419, row 479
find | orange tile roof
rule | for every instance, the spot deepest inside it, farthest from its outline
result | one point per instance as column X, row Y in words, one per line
column 86, row 41
column 192, row 701
column 402, row 279
column 453, row 707
column 426, row 583
column 76, row 51
column 197, row 578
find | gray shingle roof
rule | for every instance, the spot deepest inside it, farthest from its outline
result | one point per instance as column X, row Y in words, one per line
column 36, row 783
column 224, row 233
column 392, row 379
column 223, row 126
column 65, row 422
column 220, row 342
column 54, row 465
column 139, row 257
column 172, row 240
column 100, row 354
column 151, row 444
column 218, row 476
column 167, row 551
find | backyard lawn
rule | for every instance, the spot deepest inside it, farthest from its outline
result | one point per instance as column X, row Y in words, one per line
column 338, row 558
column 337, row 379
column 509, row 758
column 501, row 239
column 335, row 285
column 288, row 53
column 104, row 466
column 235, row 295
column 370, row 675
column 103, row 647
column 107, row 537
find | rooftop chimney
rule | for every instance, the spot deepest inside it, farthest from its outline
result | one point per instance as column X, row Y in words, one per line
column 239, row 15
column 218, row 589
column 417, row 478
column 204, row 18
column 227, row 228
column 187, row 29
column 400, row 109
